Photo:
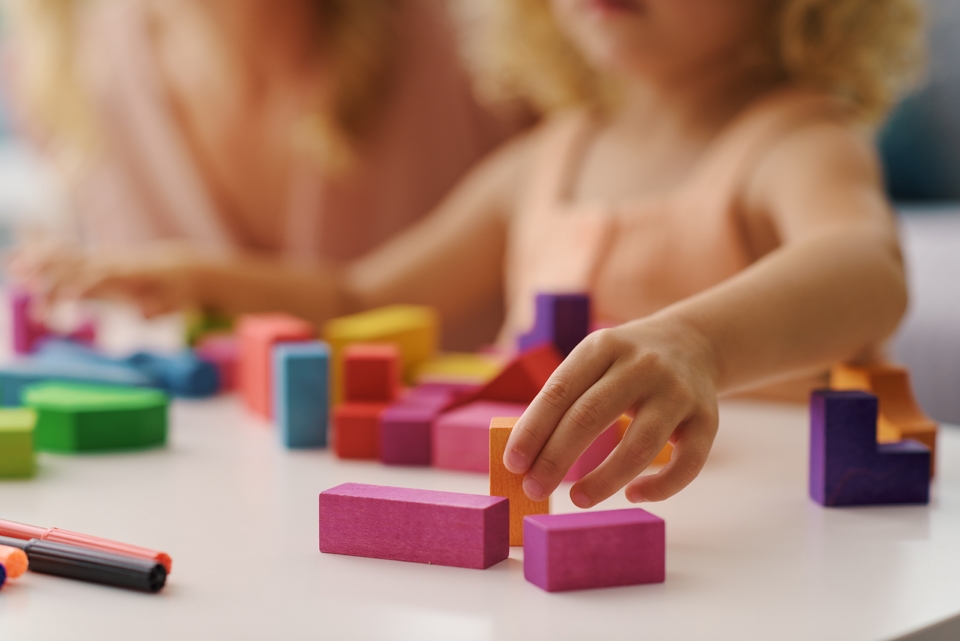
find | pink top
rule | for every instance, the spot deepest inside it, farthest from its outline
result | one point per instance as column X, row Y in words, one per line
column 640, row 256
column 148, row 186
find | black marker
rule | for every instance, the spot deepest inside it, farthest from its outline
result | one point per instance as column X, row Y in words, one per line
column 84, row 564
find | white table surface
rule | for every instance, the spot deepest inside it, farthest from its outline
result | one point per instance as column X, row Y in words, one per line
column 749, row 556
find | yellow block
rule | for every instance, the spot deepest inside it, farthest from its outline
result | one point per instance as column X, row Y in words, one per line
column 900, row 415
column 413, row 328
column 459, row 367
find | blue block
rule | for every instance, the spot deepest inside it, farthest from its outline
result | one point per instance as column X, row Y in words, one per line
column 17, row 376
column 301, row 393
column 183, row 374
column 849, row 467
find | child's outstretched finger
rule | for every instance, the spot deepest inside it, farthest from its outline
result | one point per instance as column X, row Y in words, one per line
column 644, row 439
column 692, row 444
column 582, row 368
column 591, row 414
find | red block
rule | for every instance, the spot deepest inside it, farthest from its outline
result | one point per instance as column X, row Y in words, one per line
column 521, row 380
column 356, row 429
column 371, row 373
column 258, row 333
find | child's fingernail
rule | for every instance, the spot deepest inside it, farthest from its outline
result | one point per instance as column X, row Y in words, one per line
column 634, row 496
column 516, row 462
column 532, row 488
column 580, row 499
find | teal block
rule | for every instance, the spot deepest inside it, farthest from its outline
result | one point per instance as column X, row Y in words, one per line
column 301, row 393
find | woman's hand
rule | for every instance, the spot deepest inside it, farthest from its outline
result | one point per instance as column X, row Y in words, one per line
column 657, row 370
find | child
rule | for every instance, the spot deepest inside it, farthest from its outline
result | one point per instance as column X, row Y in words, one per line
column 261, row 137
column 709, row 185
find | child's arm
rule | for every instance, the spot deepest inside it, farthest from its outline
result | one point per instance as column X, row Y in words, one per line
column 449, row 260
column 832, row 288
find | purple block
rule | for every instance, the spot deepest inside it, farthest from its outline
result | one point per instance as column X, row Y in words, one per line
column 405, row 433
column 594, row 549
column 848, row 467
column 461, row 437
column 561, row 319
column 420, row 526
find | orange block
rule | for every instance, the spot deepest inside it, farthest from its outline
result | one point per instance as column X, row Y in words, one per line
column 900, row 415
column 508, row 484
column 356, row 430
column 258, row 333
column 662, row 458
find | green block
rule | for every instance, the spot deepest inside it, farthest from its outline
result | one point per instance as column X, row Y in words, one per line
column 17, row 459
column 95, row 418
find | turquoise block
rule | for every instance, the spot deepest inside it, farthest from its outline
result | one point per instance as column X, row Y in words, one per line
column 301, row 393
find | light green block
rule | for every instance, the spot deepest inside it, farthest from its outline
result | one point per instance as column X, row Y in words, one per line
column 17, row 458
column 88, row 418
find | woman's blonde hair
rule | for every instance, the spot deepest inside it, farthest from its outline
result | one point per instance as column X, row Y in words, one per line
column 867, row 52
column 353, row 35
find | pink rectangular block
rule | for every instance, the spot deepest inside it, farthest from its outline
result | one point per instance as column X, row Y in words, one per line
column 223, row 351
column 593, row 549
column 461, row 437
column 420, row 526
column 594, row 455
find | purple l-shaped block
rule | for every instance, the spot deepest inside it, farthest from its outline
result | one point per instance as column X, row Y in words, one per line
column 594, row 549
column 849, row 467
column 422, row 526
column 561, row 319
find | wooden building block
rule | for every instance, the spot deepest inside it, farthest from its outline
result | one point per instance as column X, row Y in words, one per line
column 419, row 526
column 181, row 374
column 461, row 437
column 562, row 320
column 521, row 379
column 19, row 375
column 594, row 455
column 900, row 415
column 596, row 549
column 301, row 392
column 507, row 484
column 356, row 430
column 849, row 467
column 223, row 352
column 413, row 329
column 28, row 333
column 17, row 458
column 456, row 367
column 665, row 454
column 82, row 418
column 203, row 324
column 371, row 373
column 258, row 333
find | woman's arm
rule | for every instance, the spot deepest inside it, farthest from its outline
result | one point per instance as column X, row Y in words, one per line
column 451, row 258
column 833, row 287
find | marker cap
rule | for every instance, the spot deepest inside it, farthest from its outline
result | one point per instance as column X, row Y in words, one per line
column 14, row 560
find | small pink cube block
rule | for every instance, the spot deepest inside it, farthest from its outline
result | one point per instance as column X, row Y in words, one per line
column 594, row 455
column 588, row 550
column 421, row 526
column 224, row 353
column 461, row 437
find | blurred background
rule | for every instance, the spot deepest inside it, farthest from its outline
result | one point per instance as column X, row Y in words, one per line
column 920, row 148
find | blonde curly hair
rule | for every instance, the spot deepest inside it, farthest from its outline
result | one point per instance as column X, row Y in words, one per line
column 866, row 52
column 356, row 37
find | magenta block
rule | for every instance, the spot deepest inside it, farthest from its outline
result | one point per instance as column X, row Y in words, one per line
column 461, row 437
column 593, row 549
column 594, row 455
column 28, row 333
column 405, row 433
column 849, row 467
column 420, row 526
column 223, row 352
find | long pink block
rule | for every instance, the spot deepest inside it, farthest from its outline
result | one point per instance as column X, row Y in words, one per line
column 420, row 526
column 461, row 437
column 593, row 549
column 594, row 455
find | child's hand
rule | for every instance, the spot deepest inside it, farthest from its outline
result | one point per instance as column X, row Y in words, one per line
column 660, row 372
